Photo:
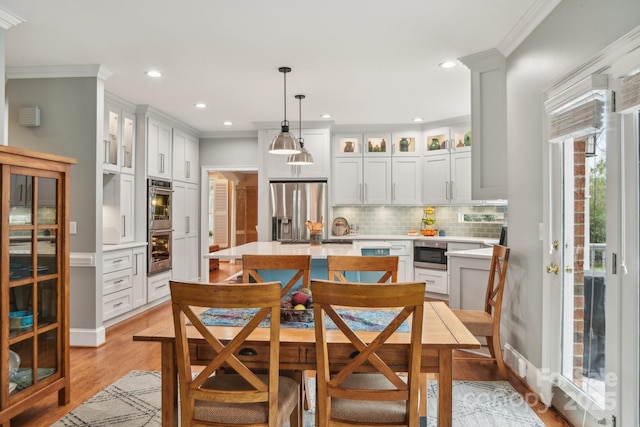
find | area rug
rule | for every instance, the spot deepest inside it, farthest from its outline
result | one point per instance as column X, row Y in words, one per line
column 134, row 401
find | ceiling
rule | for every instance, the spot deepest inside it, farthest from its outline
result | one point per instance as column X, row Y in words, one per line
column 363, row 61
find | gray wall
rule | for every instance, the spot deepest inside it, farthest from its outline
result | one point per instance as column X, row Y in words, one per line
column 68, row 128
column 574, row 32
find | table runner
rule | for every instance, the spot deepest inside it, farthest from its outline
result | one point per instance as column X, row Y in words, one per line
column 358, row 320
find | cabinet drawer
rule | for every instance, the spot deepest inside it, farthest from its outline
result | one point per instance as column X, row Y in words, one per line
column 158, row 286
column 258, row 353
column 117, row 260
column 117, row 281
column 393, row 355
column 401, row 247
column 436, row 280
column 116, row 303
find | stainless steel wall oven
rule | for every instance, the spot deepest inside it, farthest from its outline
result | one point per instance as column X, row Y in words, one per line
column 159, row 225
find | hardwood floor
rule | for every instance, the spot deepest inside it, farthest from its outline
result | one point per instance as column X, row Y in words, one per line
column 93, row 369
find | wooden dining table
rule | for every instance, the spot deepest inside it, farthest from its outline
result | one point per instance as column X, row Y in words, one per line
column 442, row 334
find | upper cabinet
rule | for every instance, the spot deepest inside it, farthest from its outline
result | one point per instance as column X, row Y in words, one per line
column 158, row 149
column 376, row 169
column 488, row 124
column 316, row 141
column 446, row 166
column 118, row 192
column 185, row 157
column 119, row 138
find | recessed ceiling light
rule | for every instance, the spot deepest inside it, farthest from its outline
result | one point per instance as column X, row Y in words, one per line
column 418, row 119
column 154, row 73
column 227, row 123
column 448, row 64
column 326, row 116
column 200, row 105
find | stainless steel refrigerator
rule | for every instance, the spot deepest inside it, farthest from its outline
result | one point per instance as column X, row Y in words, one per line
column 293, row 204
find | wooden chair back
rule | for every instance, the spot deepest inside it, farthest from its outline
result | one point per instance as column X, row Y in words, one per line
column 186, row 298
column 496, row 281
column 335, row 372
column 337, row 266
column 299, row 264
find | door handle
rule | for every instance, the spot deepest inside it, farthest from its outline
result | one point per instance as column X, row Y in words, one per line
column 553, row 268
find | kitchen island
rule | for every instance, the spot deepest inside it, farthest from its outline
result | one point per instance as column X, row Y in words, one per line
column 318, row 253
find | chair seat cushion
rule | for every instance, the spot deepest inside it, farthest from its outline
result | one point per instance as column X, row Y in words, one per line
column 245, row 413
column 479, row 322
column 378, row 412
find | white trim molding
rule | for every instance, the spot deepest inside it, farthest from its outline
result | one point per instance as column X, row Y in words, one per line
column 531, row 19
column 9, row 20
column 82, row 259
column 59, row 71
column 87, row 337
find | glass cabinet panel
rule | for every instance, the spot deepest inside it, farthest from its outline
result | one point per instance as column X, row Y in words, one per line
column 128, row 133
column 47, row 246
column 21, row 199
column 111, row 142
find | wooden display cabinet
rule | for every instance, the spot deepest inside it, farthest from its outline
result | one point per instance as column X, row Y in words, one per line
column 34, row 279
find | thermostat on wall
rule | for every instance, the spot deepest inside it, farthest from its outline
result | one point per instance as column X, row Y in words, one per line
column 30, row 116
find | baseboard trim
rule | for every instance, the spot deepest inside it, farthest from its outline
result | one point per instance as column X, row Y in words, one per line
column 87, row 337
column 533, row 377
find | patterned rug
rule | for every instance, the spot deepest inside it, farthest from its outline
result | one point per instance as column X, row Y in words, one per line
column 134, row 401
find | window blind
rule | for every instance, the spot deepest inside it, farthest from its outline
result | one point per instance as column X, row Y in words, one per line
column 579, row 120
column 628, row 97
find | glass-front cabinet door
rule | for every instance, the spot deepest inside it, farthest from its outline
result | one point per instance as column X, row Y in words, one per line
column 34, row 285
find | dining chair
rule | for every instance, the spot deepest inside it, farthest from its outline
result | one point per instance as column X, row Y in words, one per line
column 242, row 398
column 299, row 267
column 379, row 396
column 339, row 267
column 486, row 323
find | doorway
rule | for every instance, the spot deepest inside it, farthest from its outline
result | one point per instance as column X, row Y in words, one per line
column 232, row 207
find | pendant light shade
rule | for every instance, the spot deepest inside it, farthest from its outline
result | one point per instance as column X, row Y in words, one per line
column 284, row 143
column 303, row 157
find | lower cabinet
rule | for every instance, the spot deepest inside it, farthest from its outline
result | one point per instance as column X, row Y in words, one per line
column 158, row 286
column 123, row 280
column 437, row 282
column 404, row 250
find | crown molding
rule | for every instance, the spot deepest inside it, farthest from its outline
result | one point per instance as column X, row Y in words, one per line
column 248, row 134
column 58, row 71
column 9, row 20
column 525, row 26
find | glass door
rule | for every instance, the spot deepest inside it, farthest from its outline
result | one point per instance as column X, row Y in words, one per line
column 585, row 202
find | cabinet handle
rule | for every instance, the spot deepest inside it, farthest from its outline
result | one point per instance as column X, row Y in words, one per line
column 135, row 264
column 453, row 190
column 115, row 261
column 186, row 226
column 393, row 191
column 187, row 167
column 118, row 304
column 360, row 193
column 107, row 146
column 446, row 190
column 124, row 226
column 366, row 192
column 117, row 282
column 124, row 156
column 161, row 286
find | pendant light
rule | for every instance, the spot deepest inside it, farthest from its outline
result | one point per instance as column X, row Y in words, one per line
column 284, row 143
column 303, row 157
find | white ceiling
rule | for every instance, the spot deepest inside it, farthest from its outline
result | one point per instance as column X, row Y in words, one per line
column 363, row 61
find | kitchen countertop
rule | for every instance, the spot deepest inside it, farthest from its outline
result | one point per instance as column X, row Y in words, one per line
column 484, row 253
column 277, row 248
column 452, row 239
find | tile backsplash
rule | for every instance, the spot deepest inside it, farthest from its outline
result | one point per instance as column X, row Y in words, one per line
column 400, row 219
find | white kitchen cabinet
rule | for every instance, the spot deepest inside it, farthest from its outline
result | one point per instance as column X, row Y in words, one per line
column 139, row 277
column 117, row 281
column 159, row 137
column 185, row 260
column 437, row 282
column 446, row 166
column 316, row 141
column 158, row 286
column 403, row 249
column 377, row 180
column 185, row 157
column 347, row 181
column 363, row 172
column 469, row 273
column 118, row 193
column 489, row 123
column 119, row 138
column 406, row 181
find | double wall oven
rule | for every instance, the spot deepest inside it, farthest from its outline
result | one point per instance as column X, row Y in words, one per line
column 159, row 225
